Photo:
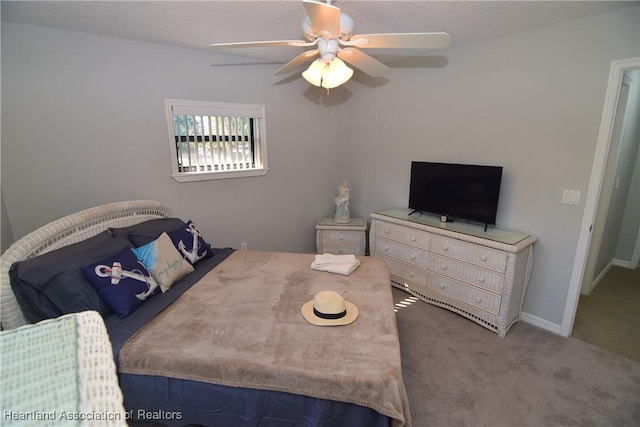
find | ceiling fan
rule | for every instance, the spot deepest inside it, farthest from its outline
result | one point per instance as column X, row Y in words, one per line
column 329, row 34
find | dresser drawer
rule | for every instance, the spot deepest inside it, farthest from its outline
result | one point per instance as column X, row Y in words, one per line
column 407, row 271
column 493, row 259
column 410, row 254
column 486, row 279
column 403, row 234
column 468, row 294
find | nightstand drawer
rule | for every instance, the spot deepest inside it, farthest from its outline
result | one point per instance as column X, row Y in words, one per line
column 339, row 236
column 355, row 248
column 493, row 259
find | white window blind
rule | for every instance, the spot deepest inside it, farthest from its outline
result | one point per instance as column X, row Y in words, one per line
column 216, row 140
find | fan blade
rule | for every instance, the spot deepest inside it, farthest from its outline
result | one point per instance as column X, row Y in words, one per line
column 325, row 19
column 363, row 62
column 296, row 62
column 301, row 43
column 400, row 41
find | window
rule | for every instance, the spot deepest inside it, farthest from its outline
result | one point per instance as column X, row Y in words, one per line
column 211, row 140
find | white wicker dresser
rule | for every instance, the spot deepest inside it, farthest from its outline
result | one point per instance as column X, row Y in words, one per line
column 479, row 274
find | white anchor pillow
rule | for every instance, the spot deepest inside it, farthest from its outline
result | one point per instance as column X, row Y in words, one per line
column 189, row 242
column 164, row 261
column 122, row 281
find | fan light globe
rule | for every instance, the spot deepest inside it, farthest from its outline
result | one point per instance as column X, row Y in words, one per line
column 336, row 74
column 313, row 74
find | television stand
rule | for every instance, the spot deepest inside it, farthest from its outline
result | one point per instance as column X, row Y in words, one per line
column 481, row 275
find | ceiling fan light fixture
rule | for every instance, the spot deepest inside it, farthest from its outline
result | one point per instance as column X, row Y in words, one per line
column 331, row 33
column 335, row 74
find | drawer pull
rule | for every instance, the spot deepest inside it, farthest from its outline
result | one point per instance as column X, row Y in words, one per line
column 412, row 274
column 340, row 251
column 445, row 248
column 413, row 238
column 482, row 279
column 483, row 258
column 413, row 257
column 341, row 237
column 443, row 267
column 386, row 248
column 478, row 300
column 441, row 285
column 386, row 231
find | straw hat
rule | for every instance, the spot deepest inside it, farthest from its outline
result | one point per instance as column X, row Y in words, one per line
column 328, row 308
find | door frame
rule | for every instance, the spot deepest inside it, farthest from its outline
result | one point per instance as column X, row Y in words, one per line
column 616, row 73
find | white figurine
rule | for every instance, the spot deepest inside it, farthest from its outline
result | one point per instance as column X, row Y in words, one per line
column 342, row 204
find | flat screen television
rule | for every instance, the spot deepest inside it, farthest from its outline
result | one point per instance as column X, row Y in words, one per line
column 467, row 192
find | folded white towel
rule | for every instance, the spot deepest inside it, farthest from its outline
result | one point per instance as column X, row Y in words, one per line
column 339, row 264
column 335, row 259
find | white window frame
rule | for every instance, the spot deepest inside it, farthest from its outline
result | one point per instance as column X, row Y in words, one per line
column 218, row 109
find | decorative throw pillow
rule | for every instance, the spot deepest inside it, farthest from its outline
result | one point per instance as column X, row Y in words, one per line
column 189, row 242
column 122, row 281
column 164, row 261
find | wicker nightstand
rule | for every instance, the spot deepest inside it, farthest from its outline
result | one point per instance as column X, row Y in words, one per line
column 336, row 238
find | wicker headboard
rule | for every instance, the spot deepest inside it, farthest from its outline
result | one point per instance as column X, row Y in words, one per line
column 65, row 231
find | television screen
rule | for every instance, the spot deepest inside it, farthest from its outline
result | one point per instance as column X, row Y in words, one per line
column 468, row 192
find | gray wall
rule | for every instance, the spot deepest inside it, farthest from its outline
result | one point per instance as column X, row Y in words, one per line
column 85, row 125
column 530, row 102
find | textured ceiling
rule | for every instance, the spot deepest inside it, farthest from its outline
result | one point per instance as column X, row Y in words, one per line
column 196, row 24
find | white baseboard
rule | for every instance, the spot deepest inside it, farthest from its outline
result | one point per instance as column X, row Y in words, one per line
column 622, row 263
column 541, row 323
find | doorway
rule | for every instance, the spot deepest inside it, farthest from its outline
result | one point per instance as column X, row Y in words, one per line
column 617, row 223
column 597, row 192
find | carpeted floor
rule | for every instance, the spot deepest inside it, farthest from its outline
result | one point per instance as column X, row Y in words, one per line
column 610, row 316
column 458, row 373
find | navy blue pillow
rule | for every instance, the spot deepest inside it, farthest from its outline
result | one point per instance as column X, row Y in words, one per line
column 52, row 284
column 189, row 242
column 147, row 231
column 122, row 281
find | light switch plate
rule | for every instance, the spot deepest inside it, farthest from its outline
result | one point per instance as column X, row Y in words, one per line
column 571, row 197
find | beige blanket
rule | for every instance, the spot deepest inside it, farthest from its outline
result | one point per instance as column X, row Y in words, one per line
column 241, row 325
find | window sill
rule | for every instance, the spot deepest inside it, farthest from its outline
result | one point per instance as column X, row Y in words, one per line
column 206, row 176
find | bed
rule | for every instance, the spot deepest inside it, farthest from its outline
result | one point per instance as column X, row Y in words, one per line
column 226, row 343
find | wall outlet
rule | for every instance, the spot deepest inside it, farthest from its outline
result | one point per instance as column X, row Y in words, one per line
column 243, row 246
